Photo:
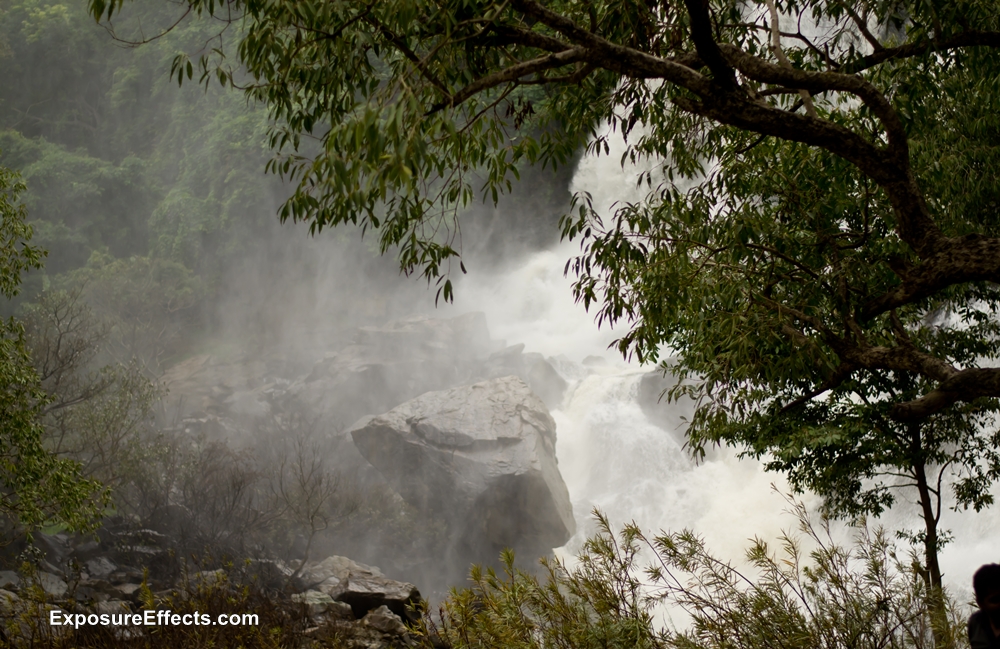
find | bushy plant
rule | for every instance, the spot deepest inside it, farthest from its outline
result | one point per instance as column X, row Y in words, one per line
column 860, row 595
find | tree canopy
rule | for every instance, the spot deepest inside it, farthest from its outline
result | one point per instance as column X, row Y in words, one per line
column 818, row 242
column 845, row 185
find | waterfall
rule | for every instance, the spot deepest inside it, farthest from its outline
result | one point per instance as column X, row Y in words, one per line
column 615, row 458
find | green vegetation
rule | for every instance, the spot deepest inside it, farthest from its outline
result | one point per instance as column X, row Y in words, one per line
column 623, row 591
column 116, row 160
column 817, row 242
column 36, row 487
column 832, row 595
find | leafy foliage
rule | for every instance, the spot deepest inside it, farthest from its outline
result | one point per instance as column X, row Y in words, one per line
column 861, row 595
column 36, row 488
column 827, row 280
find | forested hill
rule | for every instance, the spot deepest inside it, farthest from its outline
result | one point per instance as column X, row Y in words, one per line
column 119, row 162
column 154, row 197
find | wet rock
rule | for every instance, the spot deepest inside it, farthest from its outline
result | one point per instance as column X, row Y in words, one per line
column 316, row 602
column 533, row 368
column 361, row 587
column 9, row 603
column 385, row 366
column 340, row 611
column 321, row 606
column 327, row 574
column 51, row 584
column 125, row 574
column 209, row 577
column 506, row 362
column 483, row 458
column 127, row 590
column 271, row 574
column 55, row 549
column 544, row 380
column 653, row 402
column 89, row 593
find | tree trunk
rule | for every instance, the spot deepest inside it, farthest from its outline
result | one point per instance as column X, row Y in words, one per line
column 931, row 573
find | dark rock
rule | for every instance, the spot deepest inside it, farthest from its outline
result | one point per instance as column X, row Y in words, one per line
column 88, row 593
column 330, row 572
column 10, row 603
column 125, row 574
column 340, row 611
column 128, row 591
column 52, row 584
column 316, row 602
column 87, row 550
column 385, row 366
column 9, row 580
column 55, row 548
column 111, row 607
column 538, row 373
column 361, row 587
column 506, row 362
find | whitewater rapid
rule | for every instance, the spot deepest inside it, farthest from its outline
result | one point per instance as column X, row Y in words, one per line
column 613, row 457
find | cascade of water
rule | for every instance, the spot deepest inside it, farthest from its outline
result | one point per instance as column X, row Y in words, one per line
column 615, row 458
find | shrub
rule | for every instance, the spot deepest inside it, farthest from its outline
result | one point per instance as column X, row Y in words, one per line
column 860, row 596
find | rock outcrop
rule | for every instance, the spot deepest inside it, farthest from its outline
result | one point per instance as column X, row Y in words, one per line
column 481, row 457
column 245, row 404
column 363, row 588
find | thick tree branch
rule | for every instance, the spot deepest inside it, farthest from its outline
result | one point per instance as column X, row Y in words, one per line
column 971, row 38
column 965, row 385
column 626, row 61
column 889, row 168
column 704, row 42
column 760, row 70
column 839, row 375
column 906, row 358
column 529, row 38
column 972, row 258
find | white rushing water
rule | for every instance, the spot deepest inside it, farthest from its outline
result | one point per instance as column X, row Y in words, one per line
column 614, row 458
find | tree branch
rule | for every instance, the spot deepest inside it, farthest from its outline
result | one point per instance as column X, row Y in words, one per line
column 973, row 258
column 513, row 73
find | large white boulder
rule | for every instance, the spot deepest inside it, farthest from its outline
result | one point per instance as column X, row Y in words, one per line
column 481, row 457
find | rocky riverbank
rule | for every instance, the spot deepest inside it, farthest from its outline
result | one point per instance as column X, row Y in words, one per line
column 78, row 592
